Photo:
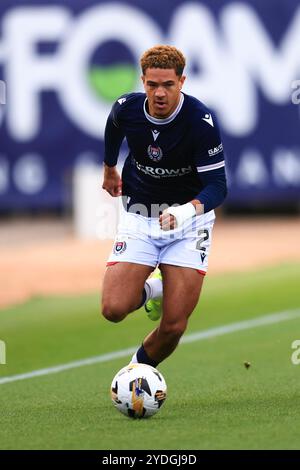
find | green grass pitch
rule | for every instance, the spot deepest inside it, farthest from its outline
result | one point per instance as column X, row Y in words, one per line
column 213, row 402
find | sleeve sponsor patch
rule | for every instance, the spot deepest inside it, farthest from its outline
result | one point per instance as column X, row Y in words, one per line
column 215, row 150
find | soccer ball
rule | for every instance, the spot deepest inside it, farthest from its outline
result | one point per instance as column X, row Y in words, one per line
column 138, row 390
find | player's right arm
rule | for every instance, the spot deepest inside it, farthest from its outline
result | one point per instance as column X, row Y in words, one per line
column 113, row 139
column 112, row 182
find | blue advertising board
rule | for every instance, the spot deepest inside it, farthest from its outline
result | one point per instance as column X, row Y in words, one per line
column 62, row 64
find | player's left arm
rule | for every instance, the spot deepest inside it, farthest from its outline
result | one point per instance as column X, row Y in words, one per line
column 209, row 162
column 210, row 165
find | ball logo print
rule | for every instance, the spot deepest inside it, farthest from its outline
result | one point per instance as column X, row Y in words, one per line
column 138, row 391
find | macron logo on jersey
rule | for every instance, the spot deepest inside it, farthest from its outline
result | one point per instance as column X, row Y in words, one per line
column 207, row 118
column 121, row 100
column 155, row 134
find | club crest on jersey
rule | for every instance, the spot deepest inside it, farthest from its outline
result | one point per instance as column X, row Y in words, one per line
column 155, row 153
column 119, row 247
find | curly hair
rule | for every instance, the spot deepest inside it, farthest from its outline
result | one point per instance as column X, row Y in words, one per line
column 163, row 57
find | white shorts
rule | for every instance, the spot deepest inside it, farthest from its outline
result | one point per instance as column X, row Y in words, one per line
column 140, row 240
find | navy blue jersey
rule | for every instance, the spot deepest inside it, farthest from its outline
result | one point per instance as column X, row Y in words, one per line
column 170, row 161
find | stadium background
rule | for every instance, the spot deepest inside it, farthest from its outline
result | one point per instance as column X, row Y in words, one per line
column 63, row 64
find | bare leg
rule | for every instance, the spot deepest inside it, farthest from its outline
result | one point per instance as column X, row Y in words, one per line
column 122, row 289
column 181, row 291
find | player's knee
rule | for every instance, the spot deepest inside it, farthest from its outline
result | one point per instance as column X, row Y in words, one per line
column 113, row 312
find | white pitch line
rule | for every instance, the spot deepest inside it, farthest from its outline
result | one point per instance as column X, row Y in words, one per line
column 198, row 336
